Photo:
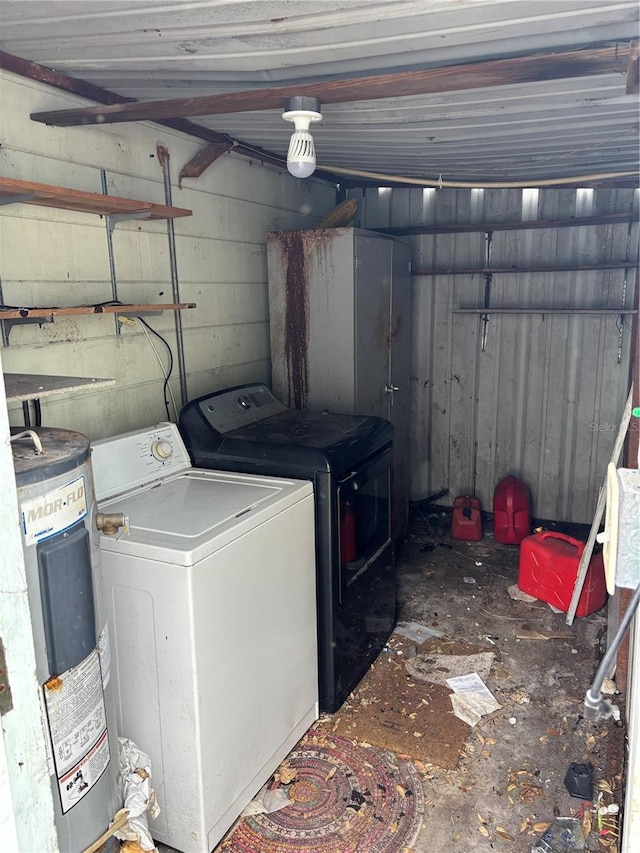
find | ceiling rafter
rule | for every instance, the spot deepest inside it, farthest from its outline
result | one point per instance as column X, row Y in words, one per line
column 501, row 72
column 58, row 80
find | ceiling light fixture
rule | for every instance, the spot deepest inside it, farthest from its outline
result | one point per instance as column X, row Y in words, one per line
column 301, row 157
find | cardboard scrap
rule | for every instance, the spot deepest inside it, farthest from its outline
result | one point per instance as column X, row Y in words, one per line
column 440, row 668
column 393, row 711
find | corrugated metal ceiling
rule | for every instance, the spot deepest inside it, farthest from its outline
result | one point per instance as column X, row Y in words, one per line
column 523, row 131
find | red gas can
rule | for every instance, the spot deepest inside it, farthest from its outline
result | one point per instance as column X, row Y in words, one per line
column 511, row 512
column 549, row 567
column 466, row 521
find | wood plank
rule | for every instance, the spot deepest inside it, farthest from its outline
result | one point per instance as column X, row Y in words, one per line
column 29, row 386
column 202, row 160
column 23, row 313
column 528, row 634
column 65, row 198
column 34, row 71
column 520, row 225
column 44, row 74
column 474, row 75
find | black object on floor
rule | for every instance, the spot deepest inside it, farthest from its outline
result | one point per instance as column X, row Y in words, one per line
column 579, row 781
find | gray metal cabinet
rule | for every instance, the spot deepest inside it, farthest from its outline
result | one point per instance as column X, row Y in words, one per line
column 339, row 306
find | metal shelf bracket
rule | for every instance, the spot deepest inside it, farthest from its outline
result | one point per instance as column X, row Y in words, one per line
column 7, row 325
column 112, row 219
column 16, row 199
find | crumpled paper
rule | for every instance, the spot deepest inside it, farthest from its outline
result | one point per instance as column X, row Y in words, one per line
column 268, row 801
column 471, row 698
column 134, row 777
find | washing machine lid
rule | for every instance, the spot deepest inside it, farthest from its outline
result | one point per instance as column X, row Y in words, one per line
column 183, row 519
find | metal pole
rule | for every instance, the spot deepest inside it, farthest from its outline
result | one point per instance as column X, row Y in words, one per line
column 112, row 260
column 163, row 156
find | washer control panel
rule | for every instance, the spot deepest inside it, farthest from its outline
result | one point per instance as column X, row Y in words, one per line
column 237, row 407
column 137, row 458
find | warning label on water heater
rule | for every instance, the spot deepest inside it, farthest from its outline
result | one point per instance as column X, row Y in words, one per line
column 53, row 512
column 78, row 729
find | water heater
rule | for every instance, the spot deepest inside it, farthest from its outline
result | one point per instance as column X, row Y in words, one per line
column 64, row 581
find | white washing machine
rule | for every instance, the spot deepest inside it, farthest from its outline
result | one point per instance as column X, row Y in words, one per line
column 211, row 598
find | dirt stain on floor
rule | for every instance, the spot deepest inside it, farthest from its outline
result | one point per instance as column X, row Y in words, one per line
column 509, row 779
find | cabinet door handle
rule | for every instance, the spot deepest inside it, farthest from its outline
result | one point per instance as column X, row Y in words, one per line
column 390, row 391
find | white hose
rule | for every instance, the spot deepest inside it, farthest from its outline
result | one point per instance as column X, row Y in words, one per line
column 491, row 185
column 29, row 433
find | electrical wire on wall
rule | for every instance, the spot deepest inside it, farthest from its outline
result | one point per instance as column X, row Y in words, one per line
column 166, row 372
column 167, row 393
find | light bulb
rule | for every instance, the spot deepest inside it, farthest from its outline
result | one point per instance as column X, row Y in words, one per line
column 301, row 156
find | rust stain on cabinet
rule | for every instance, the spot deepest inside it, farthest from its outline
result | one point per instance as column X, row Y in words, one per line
column 296, row 248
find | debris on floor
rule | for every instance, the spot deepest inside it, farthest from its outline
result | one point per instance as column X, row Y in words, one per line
column 579, row 780
column 138, row 795
column 471, row 698
column 563, row 836
column 439, row 668
column 415, row 632
column 518, row 595
column 508, row 785
column 497, row 786
column 554, row 634
column 267, row 801
column 392, row 710
column 344, row 798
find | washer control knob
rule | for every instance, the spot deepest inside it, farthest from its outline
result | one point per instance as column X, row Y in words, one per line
column 244, row 402
column 161, row 450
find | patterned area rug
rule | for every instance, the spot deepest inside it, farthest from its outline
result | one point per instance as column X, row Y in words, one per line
column 346, row 799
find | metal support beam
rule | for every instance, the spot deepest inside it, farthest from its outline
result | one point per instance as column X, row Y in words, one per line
column 163, row 157
column 111, row 220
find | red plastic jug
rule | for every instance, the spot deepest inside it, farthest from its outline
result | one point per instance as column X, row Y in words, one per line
column 466, row 521
column 548, row 569
column 511, row 512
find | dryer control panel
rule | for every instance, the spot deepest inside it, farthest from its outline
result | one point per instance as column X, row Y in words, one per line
column 236, row 407
column 137, row 458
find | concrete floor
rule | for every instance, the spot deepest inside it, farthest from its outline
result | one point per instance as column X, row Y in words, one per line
column 510, row 777
column 476, row 807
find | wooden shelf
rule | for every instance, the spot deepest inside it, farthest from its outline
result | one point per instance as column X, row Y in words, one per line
column 29, row 386
column 27, row 192
column 34, row 313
